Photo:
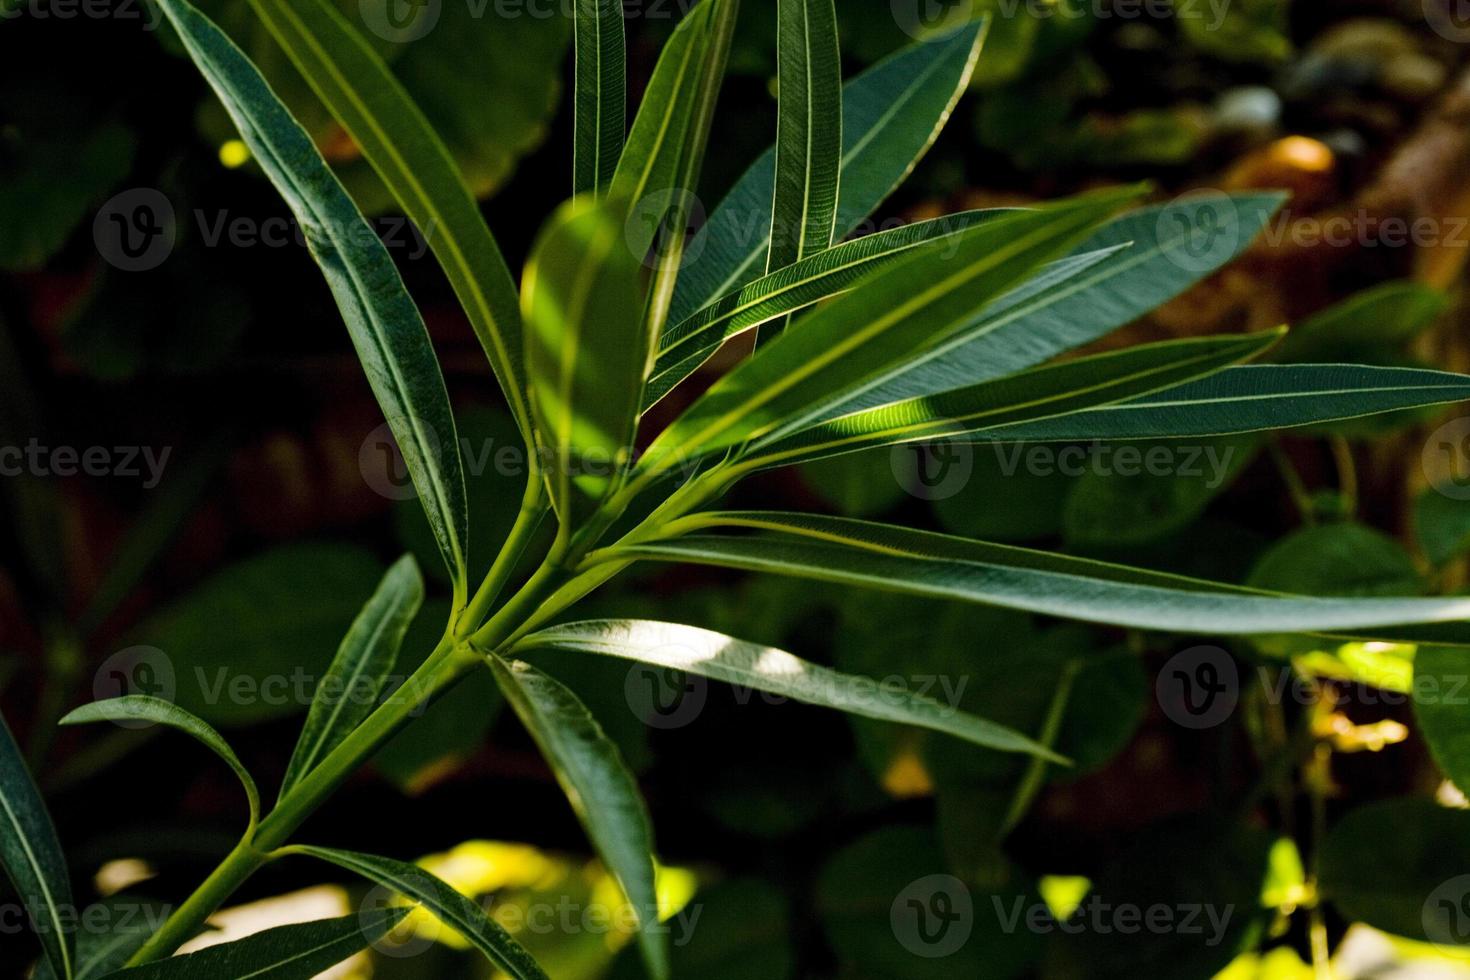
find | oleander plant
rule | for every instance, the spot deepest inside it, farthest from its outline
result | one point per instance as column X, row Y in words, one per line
column 652, row 358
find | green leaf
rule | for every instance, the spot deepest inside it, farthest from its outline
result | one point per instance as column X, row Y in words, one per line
column 867, row 899
column 1160, row 252
column 1107, row 509
column 125, row 925
column 1342, row 559
column 1366, row 326
column 1441, row 692
column 863, row 338
column 52, row 181
column 32, row 857
column 597, row 783
column 891, row 115
column 1044, row 392
column 1254, row 398
column 351, row 687
column 808, row 132
column 687, row 345
column 456, row 910
column 369, row 101
column 660, row 166
column 898, row 559
column 586, row 348
column 1386, row 864
column 1441, row 526
column 1207, row 869
column 386, row 328
column 296, row 952
column 602, row 94
column 658, row 140
column 140, row 708
column 736, row 915
column 762, row 668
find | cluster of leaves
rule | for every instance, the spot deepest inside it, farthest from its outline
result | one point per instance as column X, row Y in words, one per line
column 948, row 329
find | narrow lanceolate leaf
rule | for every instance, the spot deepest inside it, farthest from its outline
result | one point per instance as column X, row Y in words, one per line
column 602, row 94
column 1160, row 254
column 860, row 339
column 891, row 115
column 1055, row 390
column 139, row 708
column 400, row 144
column 297, row 952
column 687, row 345
column 648, row 173
column 386, row 328
column 32, row 859
column 350, row 690
column 456, row 910
column 660, row 166
column 761, row 668
column 808, row 132
column 898, row 559
column 586, row 348
column 597, row 783
column 1253, row 398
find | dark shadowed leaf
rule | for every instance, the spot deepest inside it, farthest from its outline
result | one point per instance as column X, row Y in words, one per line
column 460, row 912
column 891, row 115
column 32, row 857
column 297, row 952
column 406, row 151
column 386, row 328
column 596, row 781
column 139, row 708
column 601, row 94
column 352, row 685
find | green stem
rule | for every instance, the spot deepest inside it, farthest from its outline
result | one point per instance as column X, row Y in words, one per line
column 1300, row 495
column 1347, row 474
column 533, row 510
column 444, row 667
column 560, row 581
column 1035, row 777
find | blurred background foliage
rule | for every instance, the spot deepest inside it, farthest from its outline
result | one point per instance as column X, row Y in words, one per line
column 793, row 837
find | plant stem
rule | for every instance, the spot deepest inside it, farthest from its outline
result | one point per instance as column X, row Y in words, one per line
column 1035, row 777
column 441, row 669
column 1347, row 474
column 559, row 582
column 1300, row 495
column 533, row 510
